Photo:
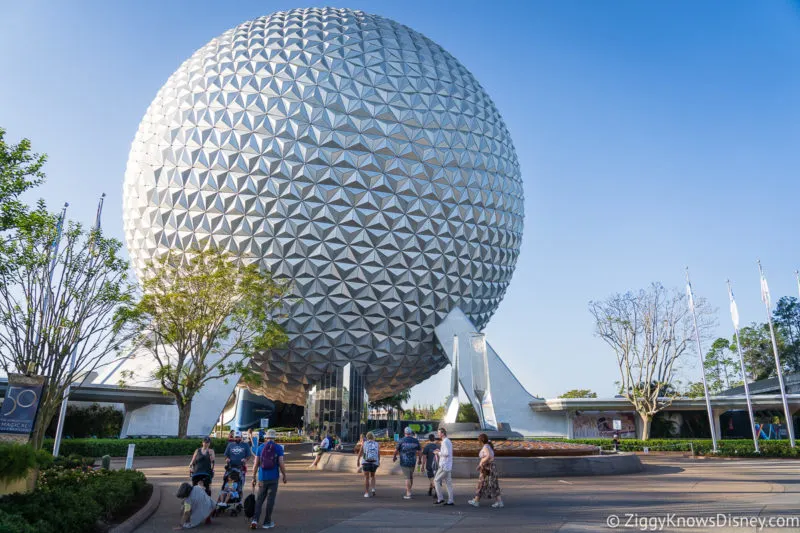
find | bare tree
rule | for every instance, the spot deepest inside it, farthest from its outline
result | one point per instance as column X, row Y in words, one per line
column 89, row 282
column 202, row 316
column 649, row 332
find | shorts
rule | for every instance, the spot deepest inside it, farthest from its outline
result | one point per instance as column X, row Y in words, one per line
column 408, row 471
column 430, row 473
column 369, row 467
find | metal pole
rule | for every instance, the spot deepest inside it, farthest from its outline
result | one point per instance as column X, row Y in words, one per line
column 735, row 317
column 702, row 365
column 62, row 414
column 786, row 412
column 53, row 256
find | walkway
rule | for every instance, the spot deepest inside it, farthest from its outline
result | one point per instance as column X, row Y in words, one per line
column 325, row 502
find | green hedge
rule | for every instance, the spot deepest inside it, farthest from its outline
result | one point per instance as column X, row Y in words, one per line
column 71, row 501
column 144, row 447
column 15, row 460
column 727, row 448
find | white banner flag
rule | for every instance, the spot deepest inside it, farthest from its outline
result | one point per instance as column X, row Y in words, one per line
column 764, row 291
column 690, row 296
column 734, row 310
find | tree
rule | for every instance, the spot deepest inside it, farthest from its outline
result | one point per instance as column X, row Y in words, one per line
column 787, row 321
column 756, row 344
column 579, row 393
column 20, row 170
column 467, row 413
column 695, row 390
column 392, row 403
column 202, row 316
column 721, row 367
column 89, row 284
column 649, row 331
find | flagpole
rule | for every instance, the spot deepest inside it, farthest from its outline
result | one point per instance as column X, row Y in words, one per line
column 52, row 254
column 690, row 294
column 735, row 318
column 786, row 412
column 65, row 397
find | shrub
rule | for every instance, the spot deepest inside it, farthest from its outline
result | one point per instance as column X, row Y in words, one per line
column 70, row 500
column 726, row 448
column 92, row 421
column 11, row 523
column 16, row 460
column 145, row 447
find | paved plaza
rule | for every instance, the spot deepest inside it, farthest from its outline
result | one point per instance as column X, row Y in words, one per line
column 327, row 502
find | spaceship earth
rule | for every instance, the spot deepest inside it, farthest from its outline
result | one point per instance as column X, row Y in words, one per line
column 346, row 153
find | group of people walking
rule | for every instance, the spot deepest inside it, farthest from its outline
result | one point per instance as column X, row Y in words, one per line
column 436, row 459
column 268, row 471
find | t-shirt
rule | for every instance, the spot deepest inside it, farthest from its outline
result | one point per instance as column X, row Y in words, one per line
column 273, row 474
column 486, row 451
column 408, row 447
column 427, row 451
column 237, row 452
column 446, row 455
column 200, row 506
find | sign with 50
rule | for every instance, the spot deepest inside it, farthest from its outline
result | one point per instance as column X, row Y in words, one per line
column 20, row 404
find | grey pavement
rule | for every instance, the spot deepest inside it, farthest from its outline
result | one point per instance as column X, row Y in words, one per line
column 669, row 494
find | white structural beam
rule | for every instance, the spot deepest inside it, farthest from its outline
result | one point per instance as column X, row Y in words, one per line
column 506, row 401
column 145, row 418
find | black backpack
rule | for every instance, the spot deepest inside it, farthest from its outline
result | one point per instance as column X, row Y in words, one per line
column 250, row 506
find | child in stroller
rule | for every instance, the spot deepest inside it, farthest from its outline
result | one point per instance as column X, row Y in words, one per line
column 230, row 496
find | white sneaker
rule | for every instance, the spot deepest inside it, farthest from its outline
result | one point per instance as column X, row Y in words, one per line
column 498, row 505
column 406, row 496
column 474, row 503
column 268, row 525
column 373, row 493
column 366, row 494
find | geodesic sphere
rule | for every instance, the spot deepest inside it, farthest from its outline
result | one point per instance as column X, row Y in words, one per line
column 350, row 154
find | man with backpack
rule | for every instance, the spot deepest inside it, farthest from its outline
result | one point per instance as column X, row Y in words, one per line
column 269, row 468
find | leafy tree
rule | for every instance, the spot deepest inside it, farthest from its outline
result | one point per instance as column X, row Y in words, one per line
column 392, row 403
column 787, row 321
column 695, row 390
column 649, row 331
column 721, row 367
column 756, row 344
column 20, row 170
column 579, row 393
column 202, row 316
column 467, row 413
column 89, row 284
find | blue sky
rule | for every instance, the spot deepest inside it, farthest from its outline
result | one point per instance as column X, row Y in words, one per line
column 651, row 136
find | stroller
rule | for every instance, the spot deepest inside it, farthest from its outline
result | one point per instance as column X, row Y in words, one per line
column 234, row 503
column 204, row 479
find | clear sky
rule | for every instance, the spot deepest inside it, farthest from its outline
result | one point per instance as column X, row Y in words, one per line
column 651, row 136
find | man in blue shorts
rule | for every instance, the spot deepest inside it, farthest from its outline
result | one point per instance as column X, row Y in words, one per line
column 410, row 453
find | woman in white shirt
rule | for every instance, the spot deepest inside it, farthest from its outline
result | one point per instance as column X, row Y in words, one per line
column 488, row 483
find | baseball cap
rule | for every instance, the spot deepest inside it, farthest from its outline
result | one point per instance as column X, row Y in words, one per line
column 237, row 434
column 408, row 431
column 206, row 439
column 271, row 434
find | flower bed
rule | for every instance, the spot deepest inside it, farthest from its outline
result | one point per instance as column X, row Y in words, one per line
column 506, row 448
column 72, row 500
